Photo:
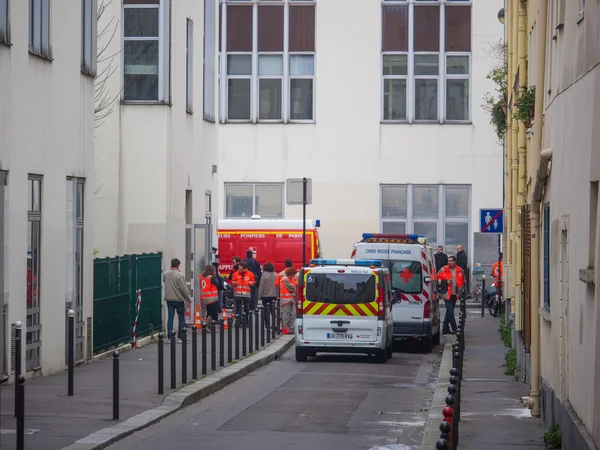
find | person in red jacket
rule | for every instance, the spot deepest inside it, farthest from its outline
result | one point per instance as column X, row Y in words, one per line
column 452, row 281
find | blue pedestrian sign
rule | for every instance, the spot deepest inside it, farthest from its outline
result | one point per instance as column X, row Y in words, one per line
column 491, row 220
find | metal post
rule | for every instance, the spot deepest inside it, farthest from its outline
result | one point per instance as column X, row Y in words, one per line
column 250, row 332
column 20, row 408
column 173, row 360
column 273, row 318
column 499, row 286
column 452, row 394
column 229, row 343
column 304, row 194
column 222, row 343
column 71, row 351
column 116, row 385
column 278, row 325
column 256, row 328
column 184, row 356
column 161, row 363
column 261, row 320
column 483, row 296
column 237, row 337
column 204, row 344
column 455, row 380
column 194, row 352
column 243, row 334
column 213, row 346
column 267, row 318
column 18, row 357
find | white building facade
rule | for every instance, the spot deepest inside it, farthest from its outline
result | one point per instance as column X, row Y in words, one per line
column 155, row 147
column 47, row 68
column 378, row 102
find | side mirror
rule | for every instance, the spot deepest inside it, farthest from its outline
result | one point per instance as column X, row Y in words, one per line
column 427, row 279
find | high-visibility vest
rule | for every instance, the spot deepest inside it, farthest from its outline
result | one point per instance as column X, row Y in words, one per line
column 242, row 282
column 285, row 295
column 210, row 293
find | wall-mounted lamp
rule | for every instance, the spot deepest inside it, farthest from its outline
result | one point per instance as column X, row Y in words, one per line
column 501, row 16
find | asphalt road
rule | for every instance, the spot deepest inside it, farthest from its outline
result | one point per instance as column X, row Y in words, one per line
column 331, row 401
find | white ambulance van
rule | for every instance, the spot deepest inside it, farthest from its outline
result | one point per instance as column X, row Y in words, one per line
column 410, row 261
column 344, row 306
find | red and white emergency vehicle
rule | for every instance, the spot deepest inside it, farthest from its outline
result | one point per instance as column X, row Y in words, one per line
column 271, row 240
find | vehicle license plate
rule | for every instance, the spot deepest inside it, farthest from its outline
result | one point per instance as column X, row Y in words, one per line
column 339, row 336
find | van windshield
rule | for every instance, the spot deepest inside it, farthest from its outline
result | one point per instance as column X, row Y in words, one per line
column 407, row 276
column 341, row 288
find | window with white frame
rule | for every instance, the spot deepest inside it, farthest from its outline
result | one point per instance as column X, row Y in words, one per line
column 243, row 200
column 269, row 66
column 426, row 61
column 146, row 51
column 439, row 212
column 4, row 22
column 210, row 49
column 189, row 66
column 39, row 28
column 33, row 257
column 89, row 35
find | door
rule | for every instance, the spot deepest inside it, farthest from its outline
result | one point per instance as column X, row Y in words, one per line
column 3, row 306
column 407, row 285
column 199, row 255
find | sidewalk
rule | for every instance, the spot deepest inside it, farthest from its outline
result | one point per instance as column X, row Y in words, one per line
column 492, row 415
column 53, row 420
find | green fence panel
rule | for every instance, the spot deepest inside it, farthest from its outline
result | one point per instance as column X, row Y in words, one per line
column 116, row 281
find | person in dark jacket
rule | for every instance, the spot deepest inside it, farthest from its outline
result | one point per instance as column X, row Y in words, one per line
column 254, row 267
column 220, row 281
column 461, row 261
column 441, row 259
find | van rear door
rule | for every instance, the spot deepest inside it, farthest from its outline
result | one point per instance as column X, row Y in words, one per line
column 407, row 286
column 340, row 305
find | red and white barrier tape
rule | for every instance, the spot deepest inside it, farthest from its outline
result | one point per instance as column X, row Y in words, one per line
column 137, row 314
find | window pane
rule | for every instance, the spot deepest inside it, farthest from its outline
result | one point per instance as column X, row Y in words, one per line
column 425, row 202
column 457, row 233
column 394, row 99
column 457, row 65
column 239, row 64
column 301, row 99
column 394, row 227
column 302, row 65
column 238, row 100
column 427, row 64
column 270, row 65
column 427, row 229
column 141, row 22
column 269, row 99
column 79, row 202
column 37, row 195
column 426, row 99
column 393, row 202
column 457, row 201
column 457, row 99
column 269, row 200
column 238, row 199
column 141, row 70
column 395, row 65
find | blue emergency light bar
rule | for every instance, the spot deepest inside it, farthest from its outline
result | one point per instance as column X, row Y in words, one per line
column 412, row 237
column 347, row 262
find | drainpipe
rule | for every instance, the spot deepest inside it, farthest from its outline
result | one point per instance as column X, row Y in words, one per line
column 543, row 159
column 513, row 157
column 508, row 140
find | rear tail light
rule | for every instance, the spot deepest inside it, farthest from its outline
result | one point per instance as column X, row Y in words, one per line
column 300, row 302
column 427, row 310
column 380, row 303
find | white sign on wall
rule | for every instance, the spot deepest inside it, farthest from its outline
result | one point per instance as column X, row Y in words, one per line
column 293, row 191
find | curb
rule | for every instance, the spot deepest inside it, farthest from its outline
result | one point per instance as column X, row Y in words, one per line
column 141, row 342
column 431, row 432
column 183, row 397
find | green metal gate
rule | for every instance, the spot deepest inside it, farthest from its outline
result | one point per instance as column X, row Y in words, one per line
column 116, row 281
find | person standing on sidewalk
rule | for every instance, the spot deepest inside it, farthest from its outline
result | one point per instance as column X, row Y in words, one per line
column 254, row 267
column 452, row 281
column 209, row 295
column 441, row 259
column 242, row 282
column 267, row 290
column 220, row 280
column 287, row 294
column 176, row 294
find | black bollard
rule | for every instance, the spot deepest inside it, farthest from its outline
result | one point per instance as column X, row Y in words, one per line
column 71, row 352
column 243, row 334
column 483, row 297
column 213, row 346
column 454, row 375
column 184, row 356
column 229, row 343
column 442, row 444
column 18, row 356
column 278, row 324
column 116, row 385
column 273, row 318
column 250, row 326
column 261, row 317
column 204, row 344
column 267, row 325
column 161, row 364
column 452, row 401
column 222, row 343
column 20, row 407
column 445, row 436
column 194, row 352
column 173, row 359
column 237, row 337
column 256, row 328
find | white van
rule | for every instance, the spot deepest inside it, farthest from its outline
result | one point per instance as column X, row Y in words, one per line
column 410, row 261
column 344, row 306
